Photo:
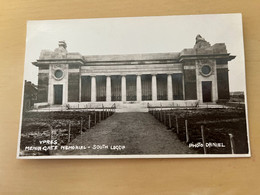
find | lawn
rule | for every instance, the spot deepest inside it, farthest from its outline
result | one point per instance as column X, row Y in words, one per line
column 217, row 123
column 40, row 126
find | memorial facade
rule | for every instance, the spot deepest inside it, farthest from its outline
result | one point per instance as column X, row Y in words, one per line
column 198, row 74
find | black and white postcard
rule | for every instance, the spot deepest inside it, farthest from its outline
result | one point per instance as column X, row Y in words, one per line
column 135, row 87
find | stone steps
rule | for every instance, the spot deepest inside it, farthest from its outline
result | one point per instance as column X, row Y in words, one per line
column 132, row 107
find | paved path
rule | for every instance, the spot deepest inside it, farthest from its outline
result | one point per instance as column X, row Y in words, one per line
column 139, row 132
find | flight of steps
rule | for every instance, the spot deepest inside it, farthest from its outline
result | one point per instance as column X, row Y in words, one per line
column 132, row 107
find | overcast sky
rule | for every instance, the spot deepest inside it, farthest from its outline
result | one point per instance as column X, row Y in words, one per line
column 138, row 35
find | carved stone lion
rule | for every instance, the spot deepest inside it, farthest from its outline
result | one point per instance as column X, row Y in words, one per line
column 201, row 42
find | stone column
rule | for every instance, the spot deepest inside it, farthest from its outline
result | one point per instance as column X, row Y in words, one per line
column 169, row 87
column 123, row 88
column 183, row 86
column 154, row 88
column 138, row 88
column 79, row 88
column 108, row 89
column 93, row 88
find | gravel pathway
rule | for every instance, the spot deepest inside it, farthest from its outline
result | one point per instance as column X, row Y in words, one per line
column 127, row 133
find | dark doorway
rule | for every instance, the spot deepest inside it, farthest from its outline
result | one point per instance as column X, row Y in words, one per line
column 85, row 88
column 177, row 89
column 146, row 87
column 206, row 91
column 162, row 87
column 131, row 88
column 116, row 88
column 58, row 94
column 101, row 88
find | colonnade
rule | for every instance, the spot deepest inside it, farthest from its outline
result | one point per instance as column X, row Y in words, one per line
column 138, row 88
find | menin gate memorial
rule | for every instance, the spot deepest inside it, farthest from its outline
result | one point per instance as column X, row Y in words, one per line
column 198, row 74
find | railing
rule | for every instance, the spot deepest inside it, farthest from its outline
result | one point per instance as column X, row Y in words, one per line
column 60, row 126
column 196, row 105
column 176, row 106
column 85, row 107
column 206, row 128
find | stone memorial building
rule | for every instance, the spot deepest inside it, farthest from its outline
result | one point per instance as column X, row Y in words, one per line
column 194, row 75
